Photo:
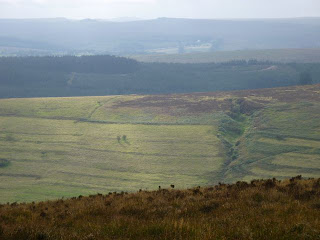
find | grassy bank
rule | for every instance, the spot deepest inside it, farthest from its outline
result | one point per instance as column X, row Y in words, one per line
column 262, row 209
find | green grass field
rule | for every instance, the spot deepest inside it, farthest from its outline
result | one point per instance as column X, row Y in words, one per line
column 285, row 141
column 63, row 147
column 274, row 55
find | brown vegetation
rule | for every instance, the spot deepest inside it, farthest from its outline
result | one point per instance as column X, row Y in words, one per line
column 249, row 100
column 262, row 209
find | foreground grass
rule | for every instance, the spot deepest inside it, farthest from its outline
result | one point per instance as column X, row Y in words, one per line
column 262, row 209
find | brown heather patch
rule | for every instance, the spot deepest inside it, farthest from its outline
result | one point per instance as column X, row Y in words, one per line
column 170, row 104
column 249, row 100
column 261, row 209
column 282, row 94
column 167, row 102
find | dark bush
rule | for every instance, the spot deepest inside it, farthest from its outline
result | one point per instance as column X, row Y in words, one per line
column 257, row 197
column 4, row 163
column 269, row 184
column 209, row 208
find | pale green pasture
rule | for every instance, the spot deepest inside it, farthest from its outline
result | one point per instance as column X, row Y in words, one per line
column 274, row 55
column 285, row 142
column 107, row 109
column 68, row 146
column 67, row 107
column 283, row 173
column 298, row 160
column 52, row 158
column 292, row 142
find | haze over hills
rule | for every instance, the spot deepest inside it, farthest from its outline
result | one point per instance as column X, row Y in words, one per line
column 61, row 36
column 192, row 119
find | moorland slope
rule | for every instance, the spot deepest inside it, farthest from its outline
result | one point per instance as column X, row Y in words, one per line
column 269, row 209
column 55, row 147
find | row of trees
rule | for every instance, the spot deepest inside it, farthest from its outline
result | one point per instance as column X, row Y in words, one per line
column 107, row 75
column 84, row 64
column 305, row 78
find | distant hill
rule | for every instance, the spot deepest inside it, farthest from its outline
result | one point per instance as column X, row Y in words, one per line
column 158, row 35
column 63, row 147
column 125, row 19
column 260, row 209
column 273, row 55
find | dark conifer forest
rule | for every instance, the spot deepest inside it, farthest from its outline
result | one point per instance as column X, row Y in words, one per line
column 110, row 75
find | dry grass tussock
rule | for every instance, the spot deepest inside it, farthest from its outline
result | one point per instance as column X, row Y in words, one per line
column 262, row 209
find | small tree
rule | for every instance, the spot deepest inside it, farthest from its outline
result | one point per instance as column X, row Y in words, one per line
column 305, row 78
column 119, row 139
column 124, row 138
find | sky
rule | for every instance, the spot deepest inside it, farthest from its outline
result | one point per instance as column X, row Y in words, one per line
column 149, row 9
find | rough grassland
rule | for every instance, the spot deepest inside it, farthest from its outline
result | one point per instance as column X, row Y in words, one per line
column 63, row 147
column 263, row 210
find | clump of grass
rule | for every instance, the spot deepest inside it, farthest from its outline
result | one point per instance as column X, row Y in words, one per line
column 9, row 138
column 261, row 209
column 4, row 163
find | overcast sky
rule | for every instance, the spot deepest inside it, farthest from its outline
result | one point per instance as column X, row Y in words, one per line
column 106, row 9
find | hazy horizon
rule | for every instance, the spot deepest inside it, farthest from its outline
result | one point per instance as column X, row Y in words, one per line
column 152, row 9
column 128, row 18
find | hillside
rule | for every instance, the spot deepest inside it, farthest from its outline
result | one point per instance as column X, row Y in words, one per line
column 55, row 147
column 268, row 209
column 63, row 36
column 102, row 75
column 273, row 55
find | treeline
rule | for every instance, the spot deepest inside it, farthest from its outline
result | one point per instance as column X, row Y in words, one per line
column 83, row 64
column 109, row 75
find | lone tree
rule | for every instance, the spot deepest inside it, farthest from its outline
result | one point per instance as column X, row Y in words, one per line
column 305, row 78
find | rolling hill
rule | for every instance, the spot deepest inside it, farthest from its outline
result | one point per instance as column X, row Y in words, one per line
column 90, row 36
column 102, row 75
column 55, row 147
